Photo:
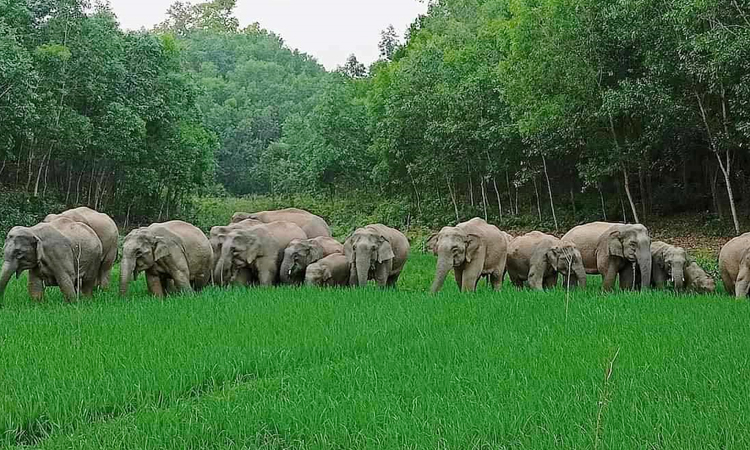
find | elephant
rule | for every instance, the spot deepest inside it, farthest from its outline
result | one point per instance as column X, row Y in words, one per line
column 472, row 249
column 734, row 265
column 256, row 252
column 333, row 270
column 610, row 249
column 697, row 280
column 175, row 255
column 312, row 225
column 105, row 228
column 376, row 252
column 60, row 252
column 668, row 262
column 538, row 257
column 218, row 235
column 300, row 253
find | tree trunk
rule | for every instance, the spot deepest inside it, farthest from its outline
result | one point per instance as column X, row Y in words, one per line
column 78, row 184
column 549, row 190
column 31, row 160
column 715, row 194
column 471, row 185
column 630, row 196
column 453, row 198
column 725, row 168
column 642, row 188
column 601, row 197
column 538, row 201
column 573, row 203
column 70, row 181
column 416, row 192
column 497, row 193
column 483, row 185
column 622, row 203
column 39, row 173
column 510, row 193
column 2, row 168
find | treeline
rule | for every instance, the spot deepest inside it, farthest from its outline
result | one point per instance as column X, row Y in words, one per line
column 555, row 111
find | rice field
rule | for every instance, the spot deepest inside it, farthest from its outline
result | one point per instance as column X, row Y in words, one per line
column 294, row 368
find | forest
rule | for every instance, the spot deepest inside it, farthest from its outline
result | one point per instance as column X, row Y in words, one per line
column 553, row 111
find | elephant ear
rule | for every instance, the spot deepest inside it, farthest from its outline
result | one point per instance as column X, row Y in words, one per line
column 432, row 242
column 385, row 251
column 39, row 250
column 162, row 248
column 472, row 245
column 349, row 249
column 615, row 245
column 553, row 256
column 316, row 252
column 327, row 274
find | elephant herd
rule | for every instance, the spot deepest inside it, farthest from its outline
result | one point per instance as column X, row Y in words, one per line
column 76, row 250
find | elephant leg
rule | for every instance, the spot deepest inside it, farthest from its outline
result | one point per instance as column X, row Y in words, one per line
column 550, row 281
column 496, row 280
column 392, row 280
column 36, row 286
column 88, row 286
column 516, row 280
column 609, row 277
column 241, row 278
column 155, row 287
column 743, row 283
column 471, row 274
column 67, row 286
column 627, row 279
column 458, row 274
column 728, row 282
column 104, row 277
column 381, row 274
column 267, row 271
column 659, row 279
column 181, row 281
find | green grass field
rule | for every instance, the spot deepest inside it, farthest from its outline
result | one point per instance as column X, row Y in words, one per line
column 306, row 368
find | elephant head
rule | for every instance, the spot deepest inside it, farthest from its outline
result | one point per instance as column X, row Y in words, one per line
column 298, row 256
column 317, row 275
column 633, row 244
column 141, row 250
column 454, row 248
column 697, row 279
column 239, row 217
column 22, row 251
column 672, row 260
column 240, row 250
column 567, row 260
column 364, row 250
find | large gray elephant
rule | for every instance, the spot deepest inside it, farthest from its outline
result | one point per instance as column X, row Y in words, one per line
column 376, row 252
column 472, row 249
column 300, row 253
column 734, row 265
column 218, row 235
column 258, row 251
column 312, row 225
column 333, row 270
column 175, row 255
column 61, row 252
column 538, row 258
column 668, row 262
column 697, row 280
column 613, row 249
column 105, row 228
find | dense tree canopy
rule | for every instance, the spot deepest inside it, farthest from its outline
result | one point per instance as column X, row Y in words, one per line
column 562, row 110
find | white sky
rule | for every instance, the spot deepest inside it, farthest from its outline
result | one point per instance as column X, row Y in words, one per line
column 329, row 30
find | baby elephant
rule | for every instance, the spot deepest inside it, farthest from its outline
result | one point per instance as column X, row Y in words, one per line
column 668, row 262
column 333, row 270
column 60, row 252
column 538, row 258
column 300, row 253
column 697, row 280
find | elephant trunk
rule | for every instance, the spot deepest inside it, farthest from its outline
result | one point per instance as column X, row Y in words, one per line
column 223, row 269
column 9, row 267
column 363, row 268
column 286, row 270
column 126, row 271
column 444, row 265
column 678, row 275
column 580, row 274
column 644, row 262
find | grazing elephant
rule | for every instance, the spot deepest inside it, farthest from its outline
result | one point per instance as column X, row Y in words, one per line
column 668, row 262
column 218, row 235
column 376, row 252
column 471, row 249
column 312, row 225
column 256, row 251
column 105, row 228
column 174, row 255
column 610, row 249
column 697, row 280
column 61, row 252
column 734, row 265
column 300, row 253
column 538, row 257
column 333, row 270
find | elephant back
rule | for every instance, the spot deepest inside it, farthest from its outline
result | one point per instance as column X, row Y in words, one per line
column 195, row 244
